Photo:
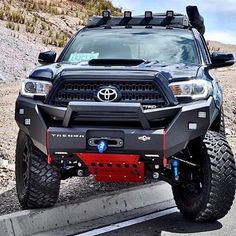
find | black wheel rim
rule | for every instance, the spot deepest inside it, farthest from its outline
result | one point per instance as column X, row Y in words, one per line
column 192, row 191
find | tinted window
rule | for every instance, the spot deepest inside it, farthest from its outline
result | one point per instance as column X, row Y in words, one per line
column 165, row 46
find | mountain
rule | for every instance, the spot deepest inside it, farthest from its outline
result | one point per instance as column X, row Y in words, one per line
column 217, row 46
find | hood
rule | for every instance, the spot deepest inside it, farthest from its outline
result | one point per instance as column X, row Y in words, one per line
column 170, row 72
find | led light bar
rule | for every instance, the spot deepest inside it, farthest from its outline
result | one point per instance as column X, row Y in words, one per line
column 127, row 14
column 106, row 14
column 170, row 14
column 148, row 14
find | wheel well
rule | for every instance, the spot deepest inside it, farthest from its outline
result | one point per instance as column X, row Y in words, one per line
column 215, row 126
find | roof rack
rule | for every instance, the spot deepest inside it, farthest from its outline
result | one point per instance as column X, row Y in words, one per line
column 168, row 19
column 177, row 20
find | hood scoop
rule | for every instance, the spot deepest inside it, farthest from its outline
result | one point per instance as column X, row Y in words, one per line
column 116, row 62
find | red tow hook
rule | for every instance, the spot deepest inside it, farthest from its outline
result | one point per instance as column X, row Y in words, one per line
column 50, row 159
column 165, row 162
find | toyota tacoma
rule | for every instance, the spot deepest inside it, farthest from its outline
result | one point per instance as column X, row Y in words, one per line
column 129, row 98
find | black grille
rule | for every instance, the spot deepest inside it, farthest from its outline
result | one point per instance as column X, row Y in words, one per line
column 146, row 92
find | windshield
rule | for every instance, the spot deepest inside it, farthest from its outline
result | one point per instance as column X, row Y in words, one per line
column 161, row 45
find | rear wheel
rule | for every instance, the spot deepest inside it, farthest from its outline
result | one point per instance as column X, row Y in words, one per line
column 210, row 194
column 37, row 183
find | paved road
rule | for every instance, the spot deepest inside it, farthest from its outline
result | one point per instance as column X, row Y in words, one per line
column 144, row 221
column 171, row 224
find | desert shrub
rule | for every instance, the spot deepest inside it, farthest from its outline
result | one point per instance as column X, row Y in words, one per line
column 16, row 16
column 10, row 25
column 30, row 26
column 56, row 39
column 2, row 15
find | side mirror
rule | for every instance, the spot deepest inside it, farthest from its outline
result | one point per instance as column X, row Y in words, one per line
column 47, row 57
column 220, row 59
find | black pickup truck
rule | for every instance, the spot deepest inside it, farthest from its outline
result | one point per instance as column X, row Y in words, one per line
column 130, row 98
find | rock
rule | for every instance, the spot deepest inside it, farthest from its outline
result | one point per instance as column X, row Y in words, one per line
column 11, row 184
column 1, row 78
column 3, row 163
column 228, row 131
column 11, row 167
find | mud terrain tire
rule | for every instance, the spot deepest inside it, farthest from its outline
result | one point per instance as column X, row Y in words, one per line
column 215, row 196
column 37, row 183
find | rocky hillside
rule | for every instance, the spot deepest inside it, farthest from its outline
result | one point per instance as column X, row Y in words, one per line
column 51, row 22
column 217, row 46
column 28, row 27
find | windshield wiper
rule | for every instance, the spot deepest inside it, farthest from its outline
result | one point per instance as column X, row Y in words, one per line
column 151, row 62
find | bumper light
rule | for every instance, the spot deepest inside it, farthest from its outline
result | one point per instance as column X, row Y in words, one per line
column 21, row 111
column 27, row 122
column 192, row 126
column 32, row 88
column 202, row 114
column 195, row 89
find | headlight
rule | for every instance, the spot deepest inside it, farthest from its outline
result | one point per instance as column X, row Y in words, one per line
column 195, row 89
column 32, row 88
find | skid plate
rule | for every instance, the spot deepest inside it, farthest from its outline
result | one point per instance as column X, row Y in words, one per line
column 114, row 167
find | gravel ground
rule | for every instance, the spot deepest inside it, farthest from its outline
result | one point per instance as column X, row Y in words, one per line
column 15, row 62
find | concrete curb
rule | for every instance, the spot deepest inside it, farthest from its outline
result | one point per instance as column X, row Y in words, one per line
column 35, row 221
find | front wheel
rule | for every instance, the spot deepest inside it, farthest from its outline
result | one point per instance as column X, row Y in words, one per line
column 210, row 194
column 37, row 183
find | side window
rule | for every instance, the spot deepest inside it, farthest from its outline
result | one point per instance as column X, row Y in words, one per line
column 206, row 50
column 202, row 47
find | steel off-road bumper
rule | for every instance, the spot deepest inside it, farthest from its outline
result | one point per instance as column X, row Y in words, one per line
column 52, row 130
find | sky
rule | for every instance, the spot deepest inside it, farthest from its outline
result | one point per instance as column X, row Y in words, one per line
column 219, row 15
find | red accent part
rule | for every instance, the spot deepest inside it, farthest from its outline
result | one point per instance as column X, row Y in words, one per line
column 47, row 140
column 50, row 159
column 114, row 167
column 164, row 149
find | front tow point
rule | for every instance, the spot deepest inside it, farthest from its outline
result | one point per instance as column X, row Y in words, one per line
column 102, row 146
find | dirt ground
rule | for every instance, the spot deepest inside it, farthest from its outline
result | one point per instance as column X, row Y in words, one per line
column 77, row 189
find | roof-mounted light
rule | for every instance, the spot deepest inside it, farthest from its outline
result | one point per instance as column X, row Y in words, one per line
column 148, row 14
column 106, row 14
column 127, row 14
column 170, row 14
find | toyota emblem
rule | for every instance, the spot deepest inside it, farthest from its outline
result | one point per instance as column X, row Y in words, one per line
column 108, row 94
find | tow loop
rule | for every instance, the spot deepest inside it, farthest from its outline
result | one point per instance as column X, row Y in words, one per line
column 102, row 146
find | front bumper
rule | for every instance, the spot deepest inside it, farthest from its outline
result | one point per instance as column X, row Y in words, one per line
column 52, row 130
